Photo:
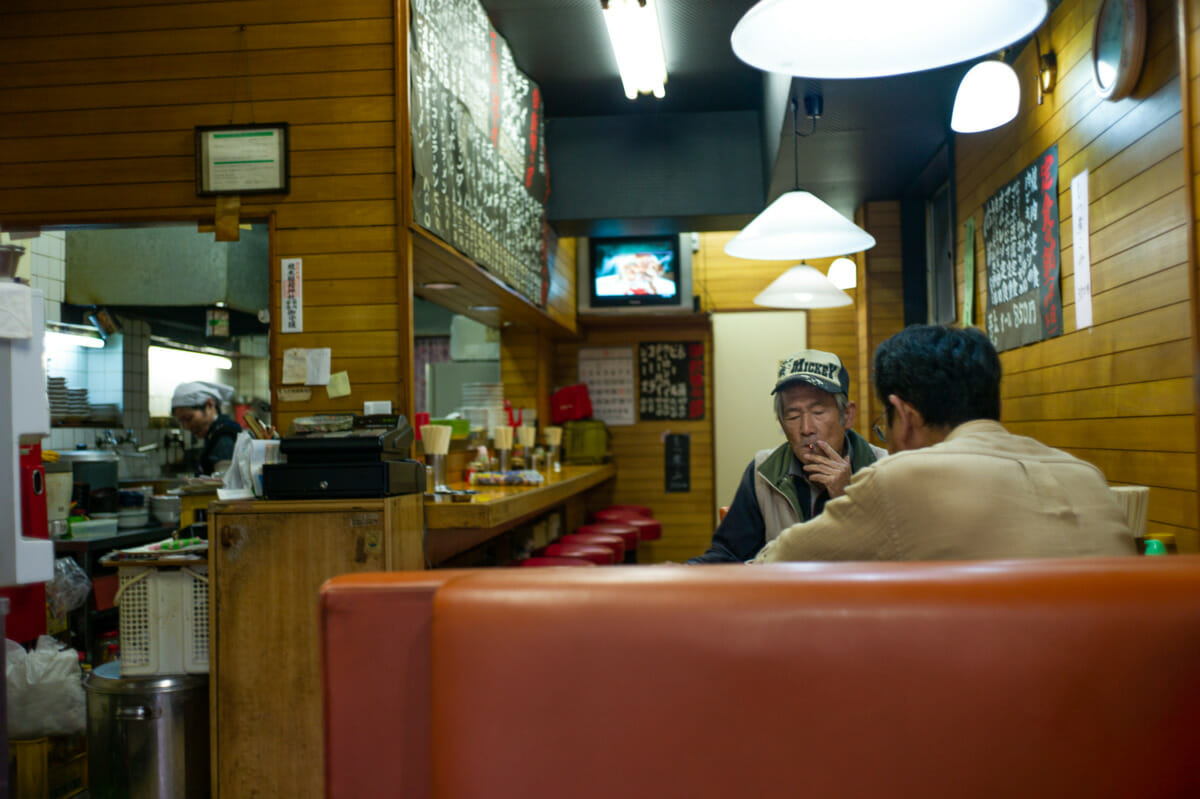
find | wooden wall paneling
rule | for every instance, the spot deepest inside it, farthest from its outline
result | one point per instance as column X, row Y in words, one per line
column 102, row 100
column 637, row 449
column 1119, row 393
column 405, row 267
column 1185, row 14
column 881, row 298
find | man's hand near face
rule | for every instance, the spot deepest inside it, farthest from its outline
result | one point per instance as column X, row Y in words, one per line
column 825, row 467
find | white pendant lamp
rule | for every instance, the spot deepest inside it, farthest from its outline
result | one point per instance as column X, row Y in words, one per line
column 798, row 225
column 802, row 286
column 873, row 38
column 988, row 96
column 843, row 273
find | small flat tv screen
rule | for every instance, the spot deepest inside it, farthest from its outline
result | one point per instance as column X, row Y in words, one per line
column 635, row 271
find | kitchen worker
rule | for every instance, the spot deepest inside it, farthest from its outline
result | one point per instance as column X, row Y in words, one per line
column 792, row 482
column 197, row 408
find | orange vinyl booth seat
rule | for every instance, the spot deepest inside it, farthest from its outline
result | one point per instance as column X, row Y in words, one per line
column 984, row 679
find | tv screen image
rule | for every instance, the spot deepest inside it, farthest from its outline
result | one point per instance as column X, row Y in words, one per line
column 645, row 268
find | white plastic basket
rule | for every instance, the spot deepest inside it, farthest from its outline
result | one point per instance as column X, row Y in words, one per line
column 163, row 620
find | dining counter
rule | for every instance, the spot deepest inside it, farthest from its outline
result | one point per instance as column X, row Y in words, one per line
column 454, row 527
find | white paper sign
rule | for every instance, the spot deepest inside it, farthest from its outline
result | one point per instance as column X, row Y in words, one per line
column 295, row 365
column 608, row 373
column 318, row 366
column 292, row 296
column 1081, row 247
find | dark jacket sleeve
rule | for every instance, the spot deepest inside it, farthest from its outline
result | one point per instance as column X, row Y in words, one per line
column 742, row 533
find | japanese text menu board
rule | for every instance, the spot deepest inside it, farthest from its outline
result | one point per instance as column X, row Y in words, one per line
column 1021, row 248
column 671, row 380
column 479, row 156
column 677, row 463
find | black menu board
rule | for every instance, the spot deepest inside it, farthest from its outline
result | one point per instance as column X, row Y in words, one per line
column 1021, row 249
column 677, row 463
column 479, row 167
column 671, row 380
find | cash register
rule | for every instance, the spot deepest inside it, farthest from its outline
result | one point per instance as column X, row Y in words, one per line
column 345, row 457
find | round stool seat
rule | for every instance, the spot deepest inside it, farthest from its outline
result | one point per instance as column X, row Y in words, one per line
column 545, row 560
column 600, row 555
column 648, row 529
column 626, row 532
column 611, row 541
column 640, row 510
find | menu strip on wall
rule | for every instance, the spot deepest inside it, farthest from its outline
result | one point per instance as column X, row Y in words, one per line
column 1021, row 254
column 677, row 463
column 671, row 380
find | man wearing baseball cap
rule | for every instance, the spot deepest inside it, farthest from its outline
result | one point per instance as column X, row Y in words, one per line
column 792, row 482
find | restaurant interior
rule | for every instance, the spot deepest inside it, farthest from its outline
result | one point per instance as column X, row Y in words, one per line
column 451, row 179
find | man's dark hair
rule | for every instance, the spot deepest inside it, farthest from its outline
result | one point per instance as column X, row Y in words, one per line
column 950, row 374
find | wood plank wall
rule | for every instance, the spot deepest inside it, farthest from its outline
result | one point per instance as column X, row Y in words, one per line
column 1120, row 394
column 100, row 98
column 638, row 449
column 881, row 299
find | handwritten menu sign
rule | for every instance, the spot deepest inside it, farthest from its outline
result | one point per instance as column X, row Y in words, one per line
column 479, row 157
column 677, row 463
column 1021, row 249
column 671, row 380
column 608, row 373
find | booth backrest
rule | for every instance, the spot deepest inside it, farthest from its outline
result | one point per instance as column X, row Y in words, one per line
column 1048, row 678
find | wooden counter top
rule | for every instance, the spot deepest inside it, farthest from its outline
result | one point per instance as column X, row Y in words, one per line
column 456, row 526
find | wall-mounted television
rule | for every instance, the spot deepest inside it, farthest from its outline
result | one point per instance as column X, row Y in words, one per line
column 638, row 274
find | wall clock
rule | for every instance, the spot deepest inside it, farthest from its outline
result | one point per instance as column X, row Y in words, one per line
column 1118, row 45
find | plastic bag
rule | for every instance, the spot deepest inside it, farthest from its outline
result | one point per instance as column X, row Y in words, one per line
column 45, row 691
column 69, row 589
column 237, row 476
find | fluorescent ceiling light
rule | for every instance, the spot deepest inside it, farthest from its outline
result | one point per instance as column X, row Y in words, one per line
column 873, row 38
column 988, row 97
column 633, row 31
column 843, row 273
column 186, row 359
column 74, row 338
column 798, row 225
column 802, row 286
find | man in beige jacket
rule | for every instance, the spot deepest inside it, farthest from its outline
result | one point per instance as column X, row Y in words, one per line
column 958, row 486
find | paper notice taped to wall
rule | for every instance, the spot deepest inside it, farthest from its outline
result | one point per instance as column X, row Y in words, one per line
column 295, row 365
column 291, row 295
column 297, row 394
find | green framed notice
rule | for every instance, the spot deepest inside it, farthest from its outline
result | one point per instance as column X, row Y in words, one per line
column 242, row 159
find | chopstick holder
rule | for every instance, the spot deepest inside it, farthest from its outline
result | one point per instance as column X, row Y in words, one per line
column 436, row 438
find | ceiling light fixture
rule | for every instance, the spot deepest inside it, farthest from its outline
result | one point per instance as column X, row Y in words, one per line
column 438, row 285
column 988, row 97
column 812, row 38
column 802, row 286
column 636, row 42
column 843, row 273
column 67, row 335
column 799, row 224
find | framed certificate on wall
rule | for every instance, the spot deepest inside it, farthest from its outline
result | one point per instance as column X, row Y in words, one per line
column 242, row 159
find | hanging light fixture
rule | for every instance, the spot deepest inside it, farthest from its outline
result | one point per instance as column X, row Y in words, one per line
column 874, row 38
column 843, row 273
column 799, row 224
column 636, row 42
column 988, row 97
column 802, row 286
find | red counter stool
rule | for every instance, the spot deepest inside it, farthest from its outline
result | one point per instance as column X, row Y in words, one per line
column 640, row 510
column 611, row 541
column 648, row 529
column 546, row 560
column 626, row 532
column 600, row 555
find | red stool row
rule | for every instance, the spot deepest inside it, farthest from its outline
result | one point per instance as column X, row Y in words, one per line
column 649, row 529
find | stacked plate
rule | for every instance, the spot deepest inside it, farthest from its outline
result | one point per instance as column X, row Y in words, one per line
column 77, row 403
column 56, row 388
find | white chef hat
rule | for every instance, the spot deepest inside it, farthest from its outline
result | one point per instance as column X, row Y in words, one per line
column 196, row 393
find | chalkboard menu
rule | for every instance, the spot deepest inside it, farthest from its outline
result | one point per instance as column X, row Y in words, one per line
column 677, row 463
column 479, row 157
column 1021, row 249
column 671, row 380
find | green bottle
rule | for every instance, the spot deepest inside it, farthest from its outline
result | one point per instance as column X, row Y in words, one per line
column 1154, row 547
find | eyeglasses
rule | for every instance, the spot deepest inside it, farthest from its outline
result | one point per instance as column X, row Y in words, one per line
column 877, row 428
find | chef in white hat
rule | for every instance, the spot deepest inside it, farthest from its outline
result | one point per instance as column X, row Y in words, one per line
column 197, row 408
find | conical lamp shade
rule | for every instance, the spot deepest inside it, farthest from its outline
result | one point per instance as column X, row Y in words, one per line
column 798, row 225
column 988, row 96
column 802, row 286
column 873, row 38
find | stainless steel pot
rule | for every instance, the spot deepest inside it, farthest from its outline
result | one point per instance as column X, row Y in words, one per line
column 147, row 736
